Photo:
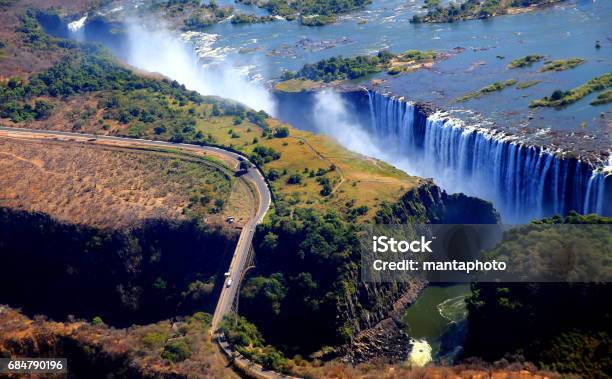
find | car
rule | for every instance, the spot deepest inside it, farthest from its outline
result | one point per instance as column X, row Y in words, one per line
column 226, row 274
column 229, row 283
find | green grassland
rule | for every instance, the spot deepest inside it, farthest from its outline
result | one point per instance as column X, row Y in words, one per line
column 603, row 98
column 561, row 64
column 339, row 68
column 527, row 84
column 560, row 98
column 495, row 87
column 525, row 61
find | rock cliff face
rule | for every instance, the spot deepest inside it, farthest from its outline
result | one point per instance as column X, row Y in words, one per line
column 375, row 310
column 429, row 203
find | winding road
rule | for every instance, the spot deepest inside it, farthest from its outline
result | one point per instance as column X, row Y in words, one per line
column 239, row 259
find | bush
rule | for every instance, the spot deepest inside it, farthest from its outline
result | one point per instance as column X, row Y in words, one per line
column 176, row 350
column 263, row 154
column 273, row 175
column 294, row 179
column 154, row 339
column 281, row 132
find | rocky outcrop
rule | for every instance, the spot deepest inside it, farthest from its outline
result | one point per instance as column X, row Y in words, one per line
column 386, row 340
column 381, row 332
column 429, row 203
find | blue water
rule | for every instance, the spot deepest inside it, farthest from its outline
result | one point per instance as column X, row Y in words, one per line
column 523, row 182
column 562, row 31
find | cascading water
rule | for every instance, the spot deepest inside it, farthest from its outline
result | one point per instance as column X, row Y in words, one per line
column 524, row 182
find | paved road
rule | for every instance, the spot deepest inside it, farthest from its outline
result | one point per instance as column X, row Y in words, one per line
column 239, row 259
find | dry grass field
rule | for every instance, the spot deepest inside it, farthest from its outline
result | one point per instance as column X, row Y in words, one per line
column 108, row 186
column 141, row 348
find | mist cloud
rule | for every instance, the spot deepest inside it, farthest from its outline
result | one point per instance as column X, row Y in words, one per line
column 161, row 51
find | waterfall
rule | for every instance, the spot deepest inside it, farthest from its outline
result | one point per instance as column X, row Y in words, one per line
column 523, row 182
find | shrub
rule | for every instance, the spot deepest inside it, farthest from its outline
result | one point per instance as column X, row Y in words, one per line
column 176, row 350
column 294, row 179
column 273, row 174
column 281, row 132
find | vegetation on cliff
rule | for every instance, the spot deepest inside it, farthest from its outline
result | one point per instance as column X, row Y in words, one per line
column 247, row 340
column 177, row 347
column 561, row 326
column 307, row 269
column 144, row 273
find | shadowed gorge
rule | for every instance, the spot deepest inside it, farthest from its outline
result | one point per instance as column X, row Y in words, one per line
column 140, row 274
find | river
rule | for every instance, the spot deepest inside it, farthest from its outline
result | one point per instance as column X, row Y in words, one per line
column 436, row 323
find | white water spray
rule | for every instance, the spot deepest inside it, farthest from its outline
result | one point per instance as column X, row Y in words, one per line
column 161, row 51
column 75, row 28
column 333, row 118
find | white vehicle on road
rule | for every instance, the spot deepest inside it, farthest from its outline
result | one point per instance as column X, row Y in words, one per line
column 229, row 283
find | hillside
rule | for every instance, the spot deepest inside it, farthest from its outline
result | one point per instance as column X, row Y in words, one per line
column 169, row 348
column 69, row 180
column 90, row 91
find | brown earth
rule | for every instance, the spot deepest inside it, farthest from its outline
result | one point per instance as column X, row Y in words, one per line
column 135, row 351
column 18, row 59
column 108, row 186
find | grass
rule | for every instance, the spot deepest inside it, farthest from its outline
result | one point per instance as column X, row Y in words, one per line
column 603, row 98
column 356, row 179
column 416, row 55
column 69, row 180
column 495, row 87
column 142, row 348
column 297, row 85
column 561, row 64
column 527, row 84
column 337, row 69
column 525, row 61
column 560, row 98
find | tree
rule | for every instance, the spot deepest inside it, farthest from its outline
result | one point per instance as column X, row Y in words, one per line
column 557, row 94
column 281, row 132
column 273, row 174
column 42, row 109
column 295, row 179
column 176, row 350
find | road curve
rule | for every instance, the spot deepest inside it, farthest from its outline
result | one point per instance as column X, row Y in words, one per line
column 243, row 246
